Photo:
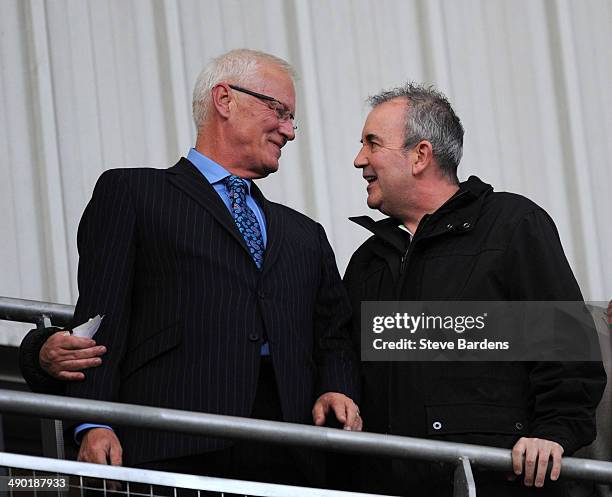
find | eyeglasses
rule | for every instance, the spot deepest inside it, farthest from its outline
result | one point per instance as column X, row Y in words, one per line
column 282, row 112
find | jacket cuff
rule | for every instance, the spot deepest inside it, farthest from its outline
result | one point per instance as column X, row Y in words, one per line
column 565, row 440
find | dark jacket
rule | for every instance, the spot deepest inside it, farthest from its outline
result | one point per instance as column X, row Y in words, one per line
column 479, row 245
column 186, row 309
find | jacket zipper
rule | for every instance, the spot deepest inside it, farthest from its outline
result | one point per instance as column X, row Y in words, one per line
column 424, row 220
column 404, row 259
column 406, row 255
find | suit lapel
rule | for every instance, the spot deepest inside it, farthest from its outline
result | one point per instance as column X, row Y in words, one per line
column 188, row 179
column 275, row 227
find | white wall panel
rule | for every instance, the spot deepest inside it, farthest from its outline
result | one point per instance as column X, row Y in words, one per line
column 89, row 85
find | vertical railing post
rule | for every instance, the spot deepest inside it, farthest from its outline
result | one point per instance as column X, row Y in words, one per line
column 3, row 469
column 464, row 479
column 52, row 430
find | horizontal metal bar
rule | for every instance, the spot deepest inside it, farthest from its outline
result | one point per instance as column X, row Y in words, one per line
column 31, row 311
column 177, row 480
column 12, row 378
column 283, row 433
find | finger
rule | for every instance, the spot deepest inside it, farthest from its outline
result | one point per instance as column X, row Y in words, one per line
column 68, row 376
column 79, row 365
column 555, row 472
column 72, row 342
column 531, row 457
column 65, row 340
column 99, row 455
column 340, row 411
column 517, row 457
column 58, row 355
column 84, row 353
column 58, row 351
column 116, row 453
column 318, row 413
column 352, row 417
column 359, row 423
column 543, row 457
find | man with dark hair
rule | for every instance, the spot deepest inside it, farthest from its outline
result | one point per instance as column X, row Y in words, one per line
column 189, row 267
column 445, row 240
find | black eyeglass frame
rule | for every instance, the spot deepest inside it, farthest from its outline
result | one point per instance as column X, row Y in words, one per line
column 267, row 98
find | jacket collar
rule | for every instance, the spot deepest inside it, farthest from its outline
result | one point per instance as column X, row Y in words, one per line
column 185, row 176
column 458, row 214
column 386, row 229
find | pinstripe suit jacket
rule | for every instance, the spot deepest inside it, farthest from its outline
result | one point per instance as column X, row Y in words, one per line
column 186, row 309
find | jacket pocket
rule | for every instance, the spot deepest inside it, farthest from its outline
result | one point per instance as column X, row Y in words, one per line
column 152, row 347
column 450, row 419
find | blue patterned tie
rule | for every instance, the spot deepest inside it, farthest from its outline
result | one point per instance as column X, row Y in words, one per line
column 245, row 218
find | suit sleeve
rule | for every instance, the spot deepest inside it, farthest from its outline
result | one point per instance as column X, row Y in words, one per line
column 336, row 362
column 564, row 394
column 106, row 242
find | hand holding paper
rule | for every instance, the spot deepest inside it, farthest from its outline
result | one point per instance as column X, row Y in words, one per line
column 63, row 356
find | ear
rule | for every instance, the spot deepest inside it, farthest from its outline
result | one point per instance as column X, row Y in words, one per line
column 423, row 157
column 221, row 97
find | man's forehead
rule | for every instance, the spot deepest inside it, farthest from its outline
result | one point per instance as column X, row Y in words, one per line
column 391, row 108
column 276, row 82
column 385, row 119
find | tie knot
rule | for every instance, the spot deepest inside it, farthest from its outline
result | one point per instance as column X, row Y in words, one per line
column 236, row 186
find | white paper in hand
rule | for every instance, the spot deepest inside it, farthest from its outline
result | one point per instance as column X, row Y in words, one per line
column 88, row 329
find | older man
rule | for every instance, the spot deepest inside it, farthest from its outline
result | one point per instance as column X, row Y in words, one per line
column 445, row 240
column 214, row 298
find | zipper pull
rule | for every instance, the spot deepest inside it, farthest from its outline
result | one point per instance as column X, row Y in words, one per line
column 403, row 261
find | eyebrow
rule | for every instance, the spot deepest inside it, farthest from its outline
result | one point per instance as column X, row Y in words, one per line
column 289, row 109
column 274, row 99
column 261, row 96
column 370, row 137
column 285, row 106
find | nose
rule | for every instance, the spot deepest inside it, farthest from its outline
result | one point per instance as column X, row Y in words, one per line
column 286, row 129
column 361, row 160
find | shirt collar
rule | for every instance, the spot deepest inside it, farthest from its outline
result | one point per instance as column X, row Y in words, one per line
column 211, row 170
column 403, row 227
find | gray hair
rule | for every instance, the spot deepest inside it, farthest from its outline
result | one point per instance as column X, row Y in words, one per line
column 236, row 66
column 429, row 116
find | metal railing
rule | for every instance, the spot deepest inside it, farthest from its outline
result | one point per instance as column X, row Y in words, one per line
column 42, row 314
column 198, row 423
column 463, row 456
column 147, row 483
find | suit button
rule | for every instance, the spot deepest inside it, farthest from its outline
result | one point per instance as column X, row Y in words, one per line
column 437, row 425
column 518, row 425
column 449, row 226
column 254, row 337
column 466, row 226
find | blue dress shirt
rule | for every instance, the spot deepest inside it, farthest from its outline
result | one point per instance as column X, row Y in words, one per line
column 216, row 174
